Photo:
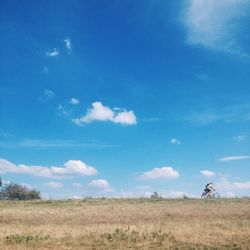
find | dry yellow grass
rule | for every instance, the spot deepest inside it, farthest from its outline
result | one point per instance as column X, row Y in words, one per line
column 124, row 224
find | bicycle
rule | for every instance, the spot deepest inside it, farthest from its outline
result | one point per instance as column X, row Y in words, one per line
column 210, row 195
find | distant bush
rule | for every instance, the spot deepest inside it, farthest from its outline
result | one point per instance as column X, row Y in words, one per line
column 14, row 191
column 156, row 196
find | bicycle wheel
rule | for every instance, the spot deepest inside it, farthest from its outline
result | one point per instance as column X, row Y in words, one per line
column 203, row 195
column 216, row 195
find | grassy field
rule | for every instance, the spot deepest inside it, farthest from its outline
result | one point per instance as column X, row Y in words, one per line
column 126, row 224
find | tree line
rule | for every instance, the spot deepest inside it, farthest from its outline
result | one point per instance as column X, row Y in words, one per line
column 13, row 191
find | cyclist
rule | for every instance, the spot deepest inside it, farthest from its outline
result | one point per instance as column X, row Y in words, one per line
column 209, row 188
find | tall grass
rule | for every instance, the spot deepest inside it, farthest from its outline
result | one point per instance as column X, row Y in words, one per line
column 125, row 224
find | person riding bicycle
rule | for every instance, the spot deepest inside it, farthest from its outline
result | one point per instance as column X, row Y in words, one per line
column 209, row 188
column 209, row 192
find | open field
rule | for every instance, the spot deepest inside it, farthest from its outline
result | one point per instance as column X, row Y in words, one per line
column 126, row 223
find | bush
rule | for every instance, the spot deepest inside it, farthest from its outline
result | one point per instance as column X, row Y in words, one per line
column 26, row 239
column 14, row 191
column 156, row 196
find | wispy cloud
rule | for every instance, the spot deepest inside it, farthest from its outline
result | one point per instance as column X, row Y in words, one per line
column 70, row 168
column 217, row 25
column 234, row 158
column 5, row 135
column 74, row 101
column 207, row 173
column 240, row 138
column 229, row 114
column 47, row 95
column 68, row 44
column 54, row 185
column 16, row 142
column 62, row 110
column 175, row 141
column 78, row 185
column 45, row 69
column 151, row 119
column 99, row 112
column 160, row 173
column 53, row 52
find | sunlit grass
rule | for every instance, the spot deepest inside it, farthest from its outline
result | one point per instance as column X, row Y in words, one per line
column 125, row 224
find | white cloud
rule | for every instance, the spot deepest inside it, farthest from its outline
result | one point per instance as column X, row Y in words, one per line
column 100, row 184
column 74, row 101
column 129, row 194
column 175, row 141
column 99, row 112
column 71, row 168
column 68, row 44
column 216, row 24
column 227, row 185
column 242, row 185
column 230, row 195
column 147, row 194
column 54, row 184
column 125, row 117
column 207, row 173
column 76, row 197
column 53, row 52
column 177, row 194
column 138, row 193
column 234, row 158
column 160, row 173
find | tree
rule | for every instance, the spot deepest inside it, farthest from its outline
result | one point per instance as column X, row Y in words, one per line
column 14, row 191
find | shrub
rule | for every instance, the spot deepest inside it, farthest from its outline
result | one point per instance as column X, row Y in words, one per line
column 26, row 239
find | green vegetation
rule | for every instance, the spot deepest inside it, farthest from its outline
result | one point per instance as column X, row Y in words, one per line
column 14, row 191
column 25, row 239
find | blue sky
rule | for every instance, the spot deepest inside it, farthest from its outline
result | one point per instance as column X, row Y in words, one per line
column 124, row 98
